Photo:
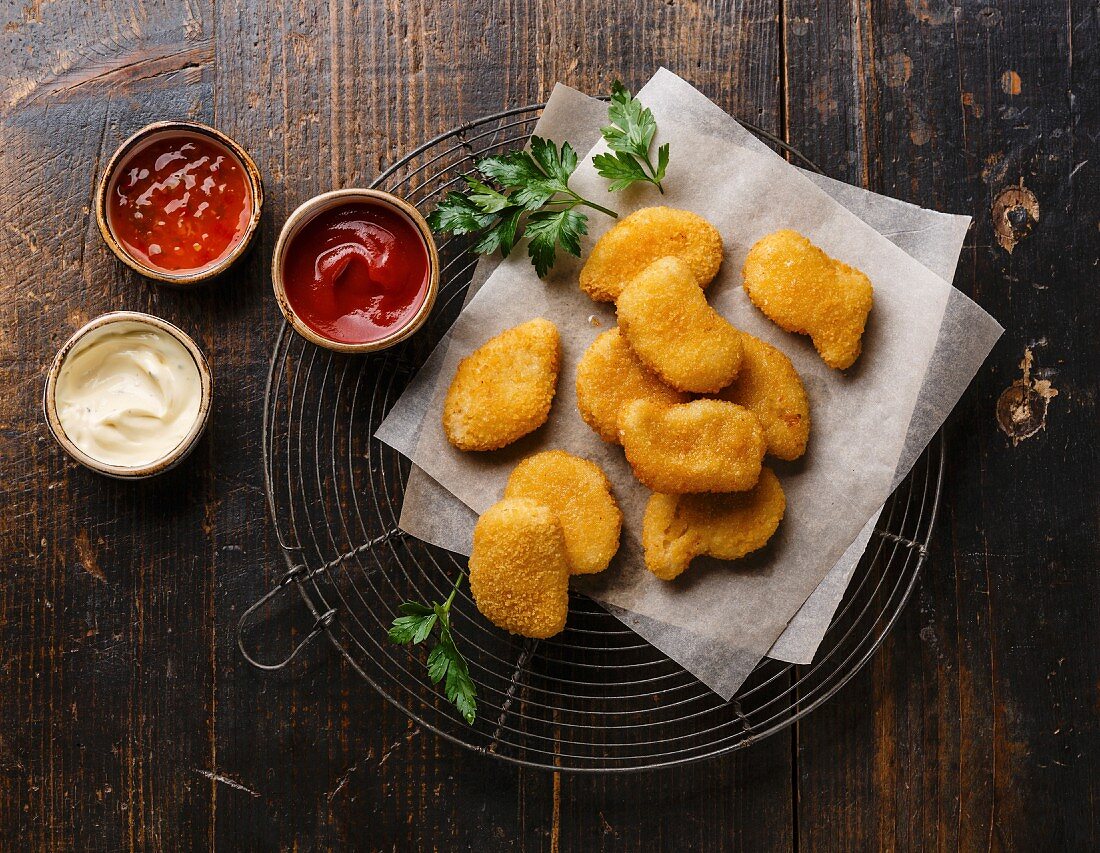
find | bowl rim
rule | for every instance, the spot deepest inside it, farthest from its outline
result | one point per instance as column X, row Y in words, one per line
column 255, row 182
column 176, row 454
column 305, row 213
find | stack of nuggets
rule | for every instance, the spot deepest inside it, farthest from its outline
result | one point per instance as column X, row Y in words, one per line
column 558, row 518
column 702, row 457
column 695, row 403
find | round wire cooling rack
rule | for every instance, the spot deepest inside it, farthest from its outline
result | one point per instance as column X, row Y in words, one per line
column 596, row 697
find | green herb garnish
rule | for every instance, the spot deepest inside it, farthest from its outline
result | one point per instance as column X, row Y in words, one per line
column 445, row 661
column 526, row 193
column 629, row 137
column 533, row 201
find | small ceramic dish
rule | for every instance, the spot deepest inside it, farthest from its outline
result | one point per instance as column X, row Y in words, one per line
column 329, row 201
column 173, row 456
column 164, row 131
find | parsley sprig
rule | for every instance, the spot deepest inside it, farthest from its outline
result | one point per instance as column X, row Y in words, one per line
column 526, row 193
column 629, row 136
column 533, row 201
column 445, row 661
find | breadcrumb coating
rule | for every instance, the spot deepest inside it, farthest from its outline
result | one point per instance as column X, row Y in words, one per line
column 641, row 238
column 610, row 377
column 801, row 289
column 678, row 528
column 519, row 568
column 666, row 319
column 769, row 387
column 578, row 492
column 701, row 446
column 504, row 388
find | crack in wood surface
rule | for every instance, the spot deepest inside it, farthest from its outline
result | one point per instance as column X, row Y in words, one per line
column 228, row 782
column 140, row 63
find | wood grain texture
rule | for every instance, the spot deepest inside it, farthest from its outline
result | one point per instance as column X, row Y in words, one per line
column 129, row 720
column 983, row 727
column 132, row 722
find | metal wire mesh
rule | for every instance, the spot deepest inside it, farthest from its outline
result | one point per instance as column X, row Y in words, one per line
column 596, row 697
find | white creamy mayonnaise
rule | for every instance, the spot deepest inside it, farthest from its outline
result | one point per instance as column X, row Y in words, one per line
column 128, row 393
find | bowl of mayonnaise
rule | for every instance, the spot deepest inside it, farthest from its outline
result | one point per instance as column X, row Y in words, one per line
column 128, row 395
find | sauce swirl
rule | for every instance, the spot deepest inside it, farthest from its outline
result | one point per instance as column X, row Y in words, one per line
column 357, row 272
column 128, row 394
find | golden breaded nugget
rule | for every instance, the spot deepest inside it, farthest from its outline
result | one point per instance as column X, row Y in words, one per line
column 503, row 389
column 803, row 290
column 519, row 568
column 667, row 321
column 769, row 387
column 578, row 492
column 678, row 528
column 701, row 446
column 609, row 376
column 641, row 238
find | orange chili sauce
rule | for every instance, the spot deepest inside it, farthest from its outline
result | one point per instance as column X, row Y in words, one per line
column 180, row 203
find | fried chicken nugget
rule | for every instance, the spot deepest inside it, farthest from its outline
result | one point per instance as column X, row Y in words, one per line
column 578, row 492
column 609, row 377
column 769, row 387
column 503, row 389
column 803, row 290
column 667, row 321
column 701, row 446
column 678, row 528
column 641, row 238
column 519, row 568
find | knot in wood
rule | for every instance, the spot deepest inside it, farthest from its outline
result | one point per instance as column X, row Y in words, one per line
column 1015, row 212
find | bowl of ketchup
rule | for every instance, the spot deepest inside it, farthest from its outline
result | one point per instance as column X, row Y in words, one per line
column 179, row 202
column 355, row 270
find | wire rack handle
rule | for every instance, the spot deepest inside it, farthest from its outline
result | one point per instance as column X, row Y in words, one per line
column 323, row 622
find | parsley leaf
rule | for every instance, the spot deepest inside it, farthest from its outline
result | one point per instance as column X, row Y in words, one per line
column 524, row 194
column 502, row 235
column 485, row 198
column 459, row 214
column 632, row 125
column 445, row 662
column 458, row 686
column 514, row 170
column 629, row 137
column 621, row 169
column 546, row 229
column 404, row 628
column 559, row 165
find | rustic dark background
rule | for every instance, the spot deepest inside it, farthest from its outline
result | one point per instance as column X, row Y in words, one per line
column 128, row 719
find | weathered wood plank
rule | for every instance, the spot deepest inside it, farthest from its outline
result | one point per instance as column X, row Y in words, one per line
column 972, row 727
column 105, row 616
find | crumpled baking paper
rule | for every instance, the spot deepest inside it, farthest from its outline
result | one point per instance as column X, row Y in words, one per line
column 923, row 344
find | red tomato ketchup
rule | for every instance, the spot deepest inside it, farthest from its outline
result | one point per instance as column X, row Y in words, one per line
column 180, row 203
column 357, row 272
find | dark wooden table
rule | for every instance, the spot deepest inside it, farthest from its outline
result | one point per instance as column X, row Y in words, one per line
column 127, row 717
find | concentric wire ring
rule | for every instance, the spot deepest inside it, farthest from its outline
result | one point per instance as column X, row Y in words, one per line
column 596, row 698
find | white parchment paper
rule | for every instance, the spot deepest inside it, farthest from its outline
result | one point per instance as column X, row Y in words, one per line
column 923, row 344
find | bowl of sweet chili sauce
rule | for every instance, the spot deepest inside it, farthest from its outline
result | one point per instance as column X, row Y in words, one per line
column 179, row 202
column 355, row 270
